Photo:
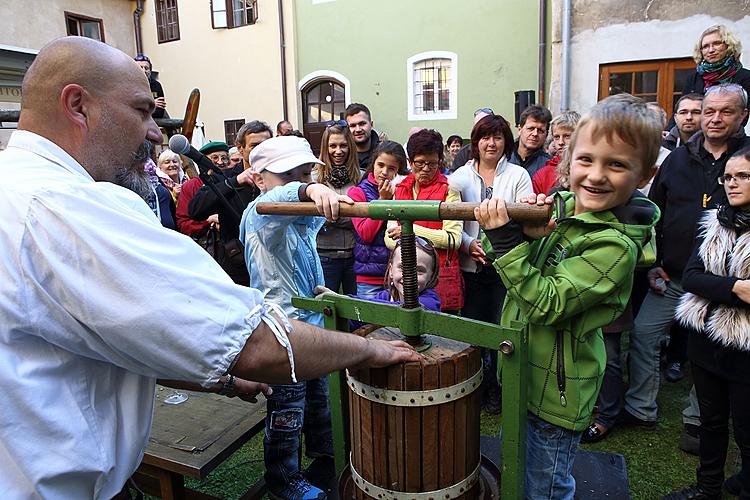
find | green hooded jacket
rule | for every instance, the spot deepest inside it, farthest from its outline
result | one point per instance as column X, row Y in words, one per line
column 564, row 288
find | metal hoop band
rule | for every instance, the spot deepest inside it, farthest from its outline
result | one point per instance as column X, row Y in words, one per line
column 428, row 397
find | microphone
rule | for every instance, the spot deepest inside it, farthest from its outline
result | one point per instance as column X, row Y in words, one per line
column 180, row 145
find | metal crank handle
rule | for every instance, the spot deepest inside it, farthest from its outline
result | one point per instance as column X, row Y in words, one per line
column 409, row 210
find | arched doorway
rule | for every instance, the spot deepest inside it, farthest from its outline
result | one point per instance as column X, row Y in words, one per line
column 323, row 100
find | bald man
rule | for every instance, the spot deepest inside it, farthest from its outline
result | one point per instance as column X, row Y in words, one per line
column 86, row 277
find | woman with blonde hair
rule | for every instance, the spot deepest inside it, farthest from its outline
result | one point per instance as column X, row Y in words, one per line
column 336, row 239
column 170, row 172
column 717, row 54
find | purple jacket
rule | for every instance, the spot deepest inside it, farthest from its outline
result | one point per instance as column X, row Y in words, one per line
column 370, row 259
column 429, row 299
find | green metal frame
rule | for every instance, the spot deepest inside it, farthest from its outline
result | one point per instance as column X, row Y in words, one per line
column 512, row 343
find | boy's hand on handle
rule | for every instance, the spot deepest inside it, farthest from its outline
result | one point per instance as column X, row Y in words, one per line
column 538, row 231
column 381, row 353
column 394, row 232
column 386, row 190
column 327, row 200
column 477, row 253
column 658, row 279
column 320, row 291
column 741, row 289
column 492, row 213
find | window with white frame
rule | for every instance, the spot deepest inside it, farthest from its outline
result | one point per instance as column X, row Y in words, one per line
column 432, row 86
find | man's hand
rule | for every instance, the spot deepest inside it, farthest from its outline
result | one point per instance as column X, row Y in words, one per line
column 741, row 289
column 538, row 231
column 160, row 102
column 327, row 200
column 656, row 274
column 394, row 232
column 320, row 291
column 381, row 353
column 386, row 190
column 476, row 252
column 245, row 178
column 247, row 390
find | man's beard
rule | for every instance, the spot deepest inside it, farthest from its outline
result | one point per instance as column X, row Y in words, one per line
column 133, row 176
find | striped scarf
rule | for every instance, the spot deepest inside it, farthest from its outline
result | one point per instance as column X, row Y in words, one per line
column 718, row 72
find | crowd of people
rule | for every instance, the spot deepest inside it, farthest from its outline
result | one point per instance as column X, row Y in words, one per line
column 647, row 239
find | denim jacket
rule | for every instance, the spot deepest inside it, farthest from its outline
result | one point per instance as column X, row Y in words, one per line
column 280, row 253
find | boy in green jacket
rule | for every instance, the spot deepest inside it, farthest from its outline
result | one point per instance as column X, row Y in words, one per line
column 576, row 277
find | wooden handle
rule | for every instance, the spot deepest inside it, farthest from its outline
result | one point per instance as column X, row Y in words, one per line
column 520, row 212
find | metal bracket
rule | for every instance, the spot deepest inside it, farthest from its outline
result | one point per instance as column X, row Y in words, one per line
column 429, row 397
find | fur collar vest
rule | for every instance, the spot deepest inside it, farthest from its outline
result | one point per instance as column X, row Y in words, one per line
column 724, row 253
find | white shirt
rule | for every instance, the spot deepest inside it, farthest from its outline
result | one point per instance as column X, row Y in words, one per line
column 511, row 181
column 97, row 300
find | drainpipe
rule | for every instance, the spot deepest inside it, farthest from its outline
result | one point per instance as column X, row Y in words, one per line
column 137, row 27
column 541, row 91
column 282, row 46
column 565, row 77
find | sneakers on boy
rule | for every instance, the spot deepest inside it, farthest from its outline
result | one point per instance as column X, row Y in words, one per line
column 296, row 489
column 322, row 473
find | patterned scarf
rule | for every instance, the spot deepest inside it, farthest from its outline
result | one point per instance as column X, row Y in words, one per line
column 338, row 177
column 718, row 72
column 733, row 218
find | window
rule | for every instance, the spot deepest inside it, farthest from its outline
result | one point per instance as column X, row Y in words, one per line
column 654, row 81
column 230, row 130
column 167, row 21
column 89, row 27
column 432, row 86
column 233, row 13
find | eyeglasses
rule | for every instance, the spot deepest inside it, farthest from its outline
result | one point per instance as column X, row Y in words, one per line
column 712, row 45
column 741, row 178
column 425, row 164
column 484, row 110
column 218, row 157
column 142, row 58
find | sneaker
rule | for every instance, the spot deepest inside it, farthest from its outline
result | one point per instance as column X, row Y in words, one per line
column 690, row 441
column 733, row 485
column 674, row 372
column 691, row 493
column 321, row 473
column 296, row 489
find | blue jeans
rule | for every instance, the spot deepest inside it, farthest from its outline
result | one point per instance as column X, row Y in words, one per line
column 368, row 291
column 339, row 274
column 650, row 332
column 294, row 409
column 550, row 453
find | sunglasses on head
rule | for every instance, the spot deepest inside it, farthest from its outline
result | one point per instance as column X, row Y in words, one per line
column 484, row 110
column 142, row 58
column 332, row 123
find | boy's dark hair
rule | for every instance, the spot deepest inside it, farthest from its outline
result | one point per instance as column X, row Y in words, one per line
column 389, row 148
column 491, row 125
column 536, row 112
column 453, row 139
column 425, row 142
column 355, row 108
column 693, row 96
column 251, row 127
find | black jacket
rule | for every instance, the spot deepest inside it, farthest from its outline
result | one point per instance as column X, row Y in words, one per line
column 694, row 82
column 672, row 138
column 533, row 163
column 156, row 91
column 727, row 362
column 364, row 157
column 687, row 175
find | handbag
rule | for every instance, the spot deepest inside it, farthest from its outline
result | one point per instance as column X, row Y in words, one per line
column 450, row 285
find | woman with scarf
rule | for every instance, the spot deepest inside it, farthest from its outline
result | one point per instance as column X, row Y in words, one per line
column 336, row 238
column 717, row 309
column 425, row 182
column 717, row 53
column 170, row 172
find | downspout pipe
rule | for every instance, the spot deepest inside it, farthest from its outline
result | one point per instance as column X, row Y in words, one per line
column 541, row 85
column 282, row 46
column 565, row 77
column 137, row 27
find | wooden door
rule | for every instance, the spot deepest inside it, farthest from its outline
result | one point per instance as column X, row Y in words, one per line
column 323, row 102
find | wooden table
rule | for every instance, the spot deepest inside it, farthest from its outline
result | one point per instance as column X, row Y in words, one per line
column 192, row 438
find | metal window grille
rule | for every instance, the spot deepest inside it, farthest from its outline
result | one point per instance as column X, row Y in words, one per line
column 167, row 21
column 432, row 86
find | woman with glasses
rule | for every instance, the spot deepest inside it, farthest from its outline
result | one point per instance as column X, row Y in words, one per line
column 488, row 174
column 336, row 240
column 717, row 54
column 426, row 182
column 717, row 309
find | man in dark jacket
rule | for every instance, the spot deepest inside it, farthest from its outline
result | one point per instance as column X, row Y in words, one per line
column 160, row 104
column 687, row 117
column 237, row 188
column 684, row 187
column 359, row 120
column 528, row 150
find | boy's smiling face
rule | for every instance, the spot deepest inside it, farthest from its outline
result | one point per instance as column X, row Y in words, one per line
column 604, row 174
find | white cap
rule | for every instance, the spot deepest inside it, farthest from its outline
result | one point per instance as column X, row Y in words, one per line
column 281, row 154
